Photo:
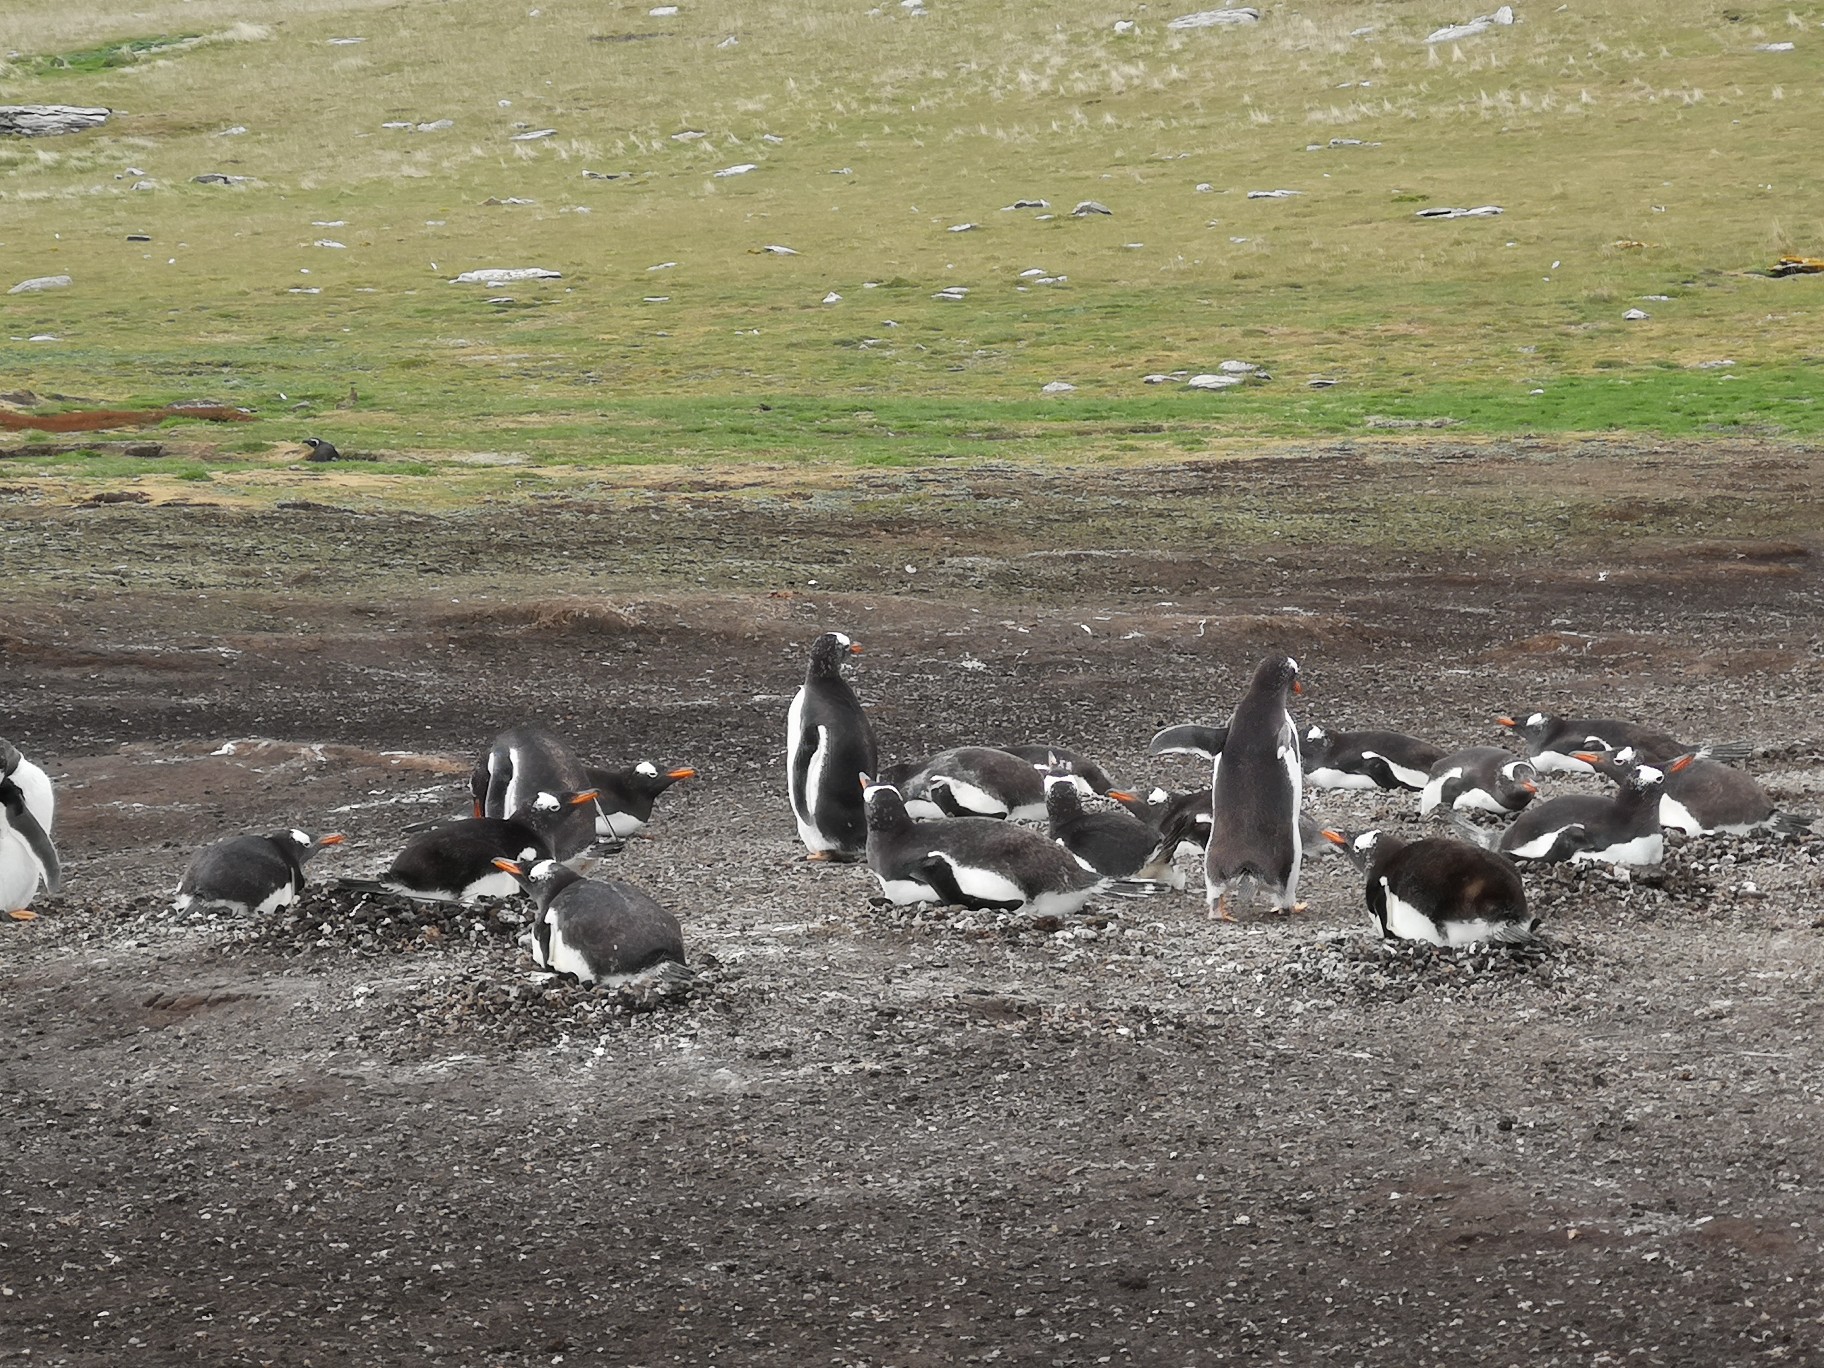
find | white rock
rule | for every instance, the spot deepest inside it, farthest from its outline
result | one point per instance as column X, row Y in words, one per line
column 330, row 242
column 534, row 135
column 1058, row 387
column 1157, row 379
column 728, row 42
column 1480, row 211
column 435, row 126
column 234, row 132
column 1213, row 382
column 688, row 135
column 1216, row 18
column 145, row 185
column 832, row 298
column 1774, row 47
column 1088, row 207
column 345, row 42
column 952, row 292
column 1482, row 23
column 739, row 170
column 494, row 275
column 774, row 249
column 1238, row 368
column 1204, row 187
column 1125, row 26
column 44, row 337
column 662, row 11
column 1032, row 271
column 38, row 283
column 49, row 121
column 1026, row 204
column 399, row 123
column 1273, row 194
column 1636, row 315
column 1713, row 365
column 963, row 227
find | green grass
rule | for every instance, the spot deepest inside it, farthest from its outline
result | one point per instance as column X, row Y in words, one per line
column 1595, row 127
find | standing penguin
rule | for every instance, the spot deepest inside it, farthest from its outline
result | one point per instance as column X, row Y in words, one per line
column 829, row 745
column 27, row 857
column 243, row 874
column 1255, row 787
column 1439, row 891
column 600, row 931
column 523, row 762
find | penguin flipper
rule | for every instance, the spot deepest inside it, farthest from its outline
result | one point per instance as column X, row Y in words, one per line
column 1189, row 738
column 40, row 841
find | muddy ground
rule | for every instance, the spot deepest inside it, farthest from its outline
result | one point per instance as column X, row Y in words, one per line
column 359, row 1134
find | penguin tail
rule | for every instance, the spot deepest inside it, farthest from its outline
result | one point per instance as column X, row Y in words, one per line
column 1727, row 751
column 1793, row 823
column 657, row 985
column 1135, row 888
column 1465, row 831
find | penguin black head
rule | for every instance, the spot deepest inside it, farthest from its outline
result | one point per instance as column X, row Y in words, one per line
column 1532, row 726
column 827, row 654
column 10, row 758
column 1279, row 672
column 321, row 450
column 883, row 805
column 1362, row 847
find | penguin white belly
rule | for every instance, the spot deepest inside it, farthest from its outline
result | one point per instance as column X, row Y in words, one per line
column 1060, row 902
column 496, row 885
column 565, row 957
column 974, row 799
column 923, row 810
column 984, row 885
column 808, row 832
column 1325, row 777
column 1676, row 815
column 1557, row 762
column 1491, row 932
column 1541, row 845
column 1406, row 921
column 1478, row 800
column 794, row 742
column 1641, row 850
column 517, row 789
column 618, row 825
column 1412, row 778
column 1295, row 775
column 282, row 896
column 1433, row 792
column 904, row 892
column 20, row 868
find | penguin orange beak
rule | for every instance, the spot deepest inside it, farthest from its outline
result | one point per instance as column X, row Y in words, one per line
column 1298, row 686
column 1680, row 763
column 1122, row 796
column 335, row 839
column 1507, row 721
column 1335, row 837
column 1529, row 786
column 854, row 648
column 1588, row 757
column 588, row 797
column 508, row 865
column 685, row 773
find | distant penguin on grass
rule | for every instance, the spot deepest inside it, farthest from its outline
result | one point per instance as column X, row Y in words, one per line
column 250, row 874
column 27, row 857
column 1255, row 788
column 829, row 745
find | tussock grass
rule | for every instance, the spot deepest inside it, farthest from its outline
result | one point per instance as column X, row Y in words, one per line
column 872, row 136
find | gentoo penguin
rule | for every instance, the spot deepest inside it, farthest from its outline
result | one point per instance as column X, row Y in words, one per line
column 455, row 862
column 1255, row 786
column 624, row 797
column 1185, row 824
column 245, row 874
column 27, row 857
column 974, row 862
column 1480, row 779
column 527, row 760
column 1188, row 738
column 1440, row 891
column 321, row 450
column 971, row 781
column 1551, row 739
column 600, row 931
column 1705, row 797
column 1111, row 841
column 1044, row 757
column 1367, row 759
column 1581, row 826
column 829, row 745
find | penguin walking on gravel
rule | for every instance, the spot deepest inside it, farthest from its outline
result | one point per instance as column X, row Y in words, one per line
column 454, row 863
column 1109, row 840
column 829, row 745
column 599, row 931
column 1704, row 797
column 1623, row 829
column 521, row 763
column 1367, row 759
column 975, row 862
column 1256, row 784
column 27, row 858
column 625, row 797
column 1552, row 741
column 250, row 874
column 1480, row 779
column 1439, row 891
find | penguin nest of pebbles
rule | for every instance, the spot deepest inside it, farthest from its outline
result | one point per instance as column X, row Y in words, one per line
column 331, row 919
column 1026, row 927
column 1370, row 970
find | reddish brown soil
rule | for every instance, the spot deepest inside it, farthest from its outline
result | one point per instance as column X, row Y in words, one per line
column 362, row 1136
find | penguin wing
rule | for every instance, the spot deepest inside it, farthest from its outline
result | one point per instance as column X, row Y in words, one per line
column 37, row 839
column 976, row 885
column 1189, row 738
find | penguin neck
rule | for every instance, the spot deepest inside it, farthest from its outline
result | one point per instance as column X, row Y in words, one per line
column 554, row 883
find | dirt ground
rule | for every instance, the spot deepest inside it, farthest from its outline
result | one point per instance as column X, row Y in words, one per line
column 355, row 1133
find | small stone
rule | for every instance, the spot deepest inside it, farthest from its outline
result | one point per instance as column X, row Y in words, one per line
column 40, row 283
column 1087, row 207
column 1058, row 387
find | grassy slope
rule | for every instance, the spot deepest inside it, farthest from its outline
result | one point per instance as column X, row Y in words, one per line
column 1593, row 125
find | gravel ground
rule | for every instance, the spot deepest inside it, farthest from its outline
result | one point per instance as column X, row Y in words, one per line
column 356, row 1132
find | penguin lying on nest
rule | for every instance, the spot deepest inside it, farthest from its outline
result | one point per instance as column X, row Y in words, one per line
column 1367, row 759
column 1439, row 891
column 250, row 874
column 1480, row 779
column 599, row 931
column 455, row 862
column 1551, row 741
column 1705, row 797
column 979, row 863
column 1109, row 840
column 1623, row 829
column 27, row 857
